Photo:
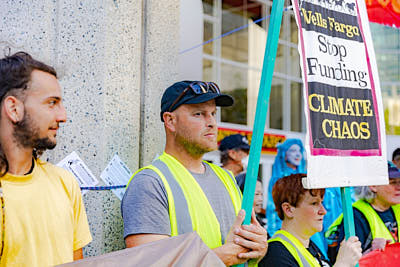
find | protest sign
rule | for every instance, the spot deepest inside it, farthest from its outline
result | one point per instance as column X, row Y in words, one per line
column 345, row 141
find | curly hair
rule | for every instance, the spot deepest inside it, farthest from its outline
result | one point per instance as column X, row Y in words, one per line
column 15, row 75
column 364, row 193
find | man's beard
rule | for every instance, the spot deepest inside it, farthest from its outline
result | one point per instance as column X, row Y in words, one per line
column 191, row 146
column 27, row 135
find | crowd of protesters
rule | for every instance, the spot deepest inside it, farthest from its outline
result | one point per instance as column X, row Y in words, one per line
column 43, row 220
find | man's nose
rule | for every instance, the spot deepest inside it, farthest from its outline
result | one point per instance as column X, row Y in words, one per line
column 62, row 114
column 211, row 121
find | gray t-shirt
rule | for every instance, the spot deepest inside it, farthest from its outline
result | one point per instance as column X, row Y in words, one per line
column 145, row 203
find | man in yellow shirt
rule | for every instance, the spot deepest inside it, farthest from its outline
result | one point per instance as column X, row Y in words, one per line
column 42, row 220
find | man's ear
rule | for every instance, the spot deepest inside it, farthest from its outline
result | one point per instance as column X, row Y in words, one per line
column 13, row 109
column 232, row 154
column 169, row 120
column 287, row 209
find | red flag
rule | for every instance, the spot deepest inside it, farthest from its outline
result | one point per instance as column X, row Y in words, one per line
column 385, row 12
column 388, row 258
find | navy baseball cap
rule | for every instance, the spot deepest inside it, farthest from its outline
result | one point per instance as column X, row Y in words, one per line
column 234, row 141
column 174, row 91
column 394, row 172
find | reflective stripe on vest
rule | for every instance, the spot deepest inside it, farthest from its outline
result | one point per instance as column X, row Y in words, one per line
column 298, row 251
column 189, row 209
column 333, row 228
column 377, row 226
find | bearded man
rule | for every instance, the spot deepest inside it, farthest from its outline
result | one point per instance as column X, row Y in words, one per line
column 42, row 219
column 180, row 193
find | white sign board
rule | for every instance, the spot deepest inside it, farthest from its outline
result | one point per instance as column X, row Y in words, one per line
column 345, row 139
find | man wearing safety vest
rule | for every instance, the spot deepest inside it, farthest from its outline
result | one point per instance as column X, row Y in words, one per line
column 376, row 216
column 180, row 193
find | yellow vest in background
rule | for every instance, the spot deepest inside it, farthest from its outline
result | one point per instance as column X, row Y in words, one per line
column 378, row 228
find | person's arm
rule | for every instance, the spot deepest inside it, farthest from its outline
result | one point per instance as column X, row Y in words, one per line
column 244, row 242
column 144, row 210
column 78, row 254
column 378, row 244
column 81, row 231
column 362, row 231
column 140, row 239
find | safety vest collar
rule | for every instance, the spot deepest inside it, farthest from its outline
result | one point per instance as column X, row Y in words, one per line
column 303, row 257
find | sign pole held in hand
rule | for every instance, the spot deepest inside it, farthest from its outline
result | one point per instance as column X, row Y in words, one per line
column 348, row 218
column 262, row 107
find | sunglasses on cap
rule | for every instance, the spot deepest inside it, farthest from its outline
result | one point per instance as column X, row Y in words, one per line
column 198, row 88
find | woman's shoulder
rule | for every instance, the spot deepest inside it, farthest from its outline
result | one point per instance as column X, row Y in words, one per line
column 278, row 255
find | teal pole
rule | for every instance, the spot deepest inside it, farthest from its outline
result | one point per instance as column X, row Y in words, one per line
column 348, row 218
column 262, row 107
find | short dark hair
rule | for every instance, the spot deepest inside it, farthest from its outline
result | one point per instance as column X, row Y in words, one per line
column 15, row 74
column 290, row 189
column 396, row 153
column 16, row 70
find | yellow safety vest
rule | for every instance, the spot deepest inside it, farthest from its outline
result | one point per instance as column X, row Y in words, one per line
column 303, row 257
column 202, row 216
column 378, row 228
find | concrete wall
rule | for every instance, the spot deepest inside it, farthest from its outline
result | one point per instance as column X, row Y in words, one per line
column 114, row 59
column 190, row 63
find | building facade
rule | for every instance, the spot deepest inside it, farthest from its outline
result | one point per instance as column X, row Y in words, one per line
column 233, row 58
column 115, row 58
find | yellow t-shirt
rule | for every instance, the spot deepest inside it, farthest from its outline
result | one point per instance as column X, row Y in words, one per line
column 45, row 219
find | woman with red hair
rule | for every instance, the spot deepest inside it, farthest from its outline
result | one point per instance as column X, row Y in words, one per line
column 302, row 213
